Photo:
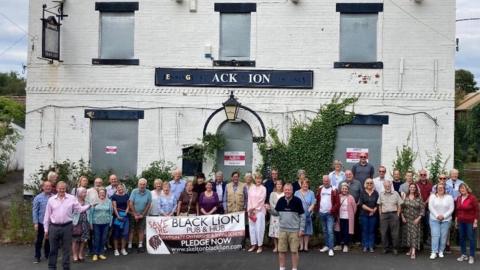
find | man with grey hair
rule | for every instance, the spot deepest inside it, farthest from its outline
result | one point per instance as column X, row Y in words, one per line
column 92, row 193
column 177, row 184
column 381, row 178
column 220, row 186
column 389, row 203
column 112, row 187
column 290, row 210
column 139, row 204
column 454, row 183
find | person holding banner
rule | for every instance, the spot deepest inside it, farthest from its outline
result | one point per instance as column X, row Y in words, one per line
column 208, row 201
column 274, row 227
column 256, row 213
column 188, row 202
column 290, row 211
column 167, row 201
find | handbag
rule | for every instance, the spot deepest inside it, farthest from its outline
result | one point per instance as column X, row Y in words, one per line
column 252, row 217
column 77, row 230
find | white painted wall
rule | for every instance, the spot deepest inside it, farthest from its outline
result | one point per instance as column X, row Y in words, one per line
column 284, row 36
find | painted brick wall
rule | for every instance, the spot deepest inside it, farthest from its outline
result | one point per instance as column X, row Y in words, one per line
column 284, row 36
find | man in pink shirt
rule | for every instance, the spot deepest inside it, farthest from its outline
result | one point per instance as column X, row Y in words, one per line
column 58, row 224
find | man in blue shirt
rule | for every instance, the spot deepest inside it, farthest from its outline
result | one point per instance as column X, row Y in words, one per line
column 139, row 204
column 177, row 184
column 454, row 183
column 38, row 212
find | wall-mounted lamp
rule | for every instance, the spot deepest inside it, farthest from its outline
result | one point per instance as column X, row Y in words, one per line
column 231, row 107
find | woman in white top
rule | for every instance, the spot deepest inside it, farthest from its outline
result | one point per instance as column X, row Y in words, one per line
column 274, row 227
column 337, row 175
column 441, row 207
column 156, row 192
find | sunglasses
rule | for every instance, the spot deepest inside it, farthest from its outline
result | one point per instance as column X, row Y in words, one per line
column 443, row 178
column 423, row 174
column 382, row 171
column 363, row 157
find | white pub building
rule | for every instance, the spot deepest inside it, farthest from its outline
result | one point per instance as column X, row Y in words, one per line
column 124, row 83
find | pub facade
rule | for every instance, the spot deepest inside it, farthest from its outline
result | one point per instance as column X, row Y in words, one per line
column 123, row 83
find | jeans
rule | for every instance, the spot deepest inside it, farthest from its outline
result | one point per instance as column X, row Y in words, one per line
column 439, row 231
column 466, row 230
column 344, row 235
column 100, row 235
column 39, row 243
column 369, row 224
column 327, row 226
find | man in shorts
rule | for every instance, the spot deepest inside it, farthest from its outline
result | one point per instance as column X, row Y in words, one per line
column 292, row 223
column 139, row 204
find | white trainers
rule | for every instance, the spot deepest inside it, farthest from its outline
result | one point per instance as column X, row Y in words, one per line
column 345, row 249
column 433, row 256
column 324, row 249
column 124, row 252
column 337, row 248
column 116, row 253
column 471, row 260
column 462, row 258
column 330, row 253
column 440, row 255
column 129, row 245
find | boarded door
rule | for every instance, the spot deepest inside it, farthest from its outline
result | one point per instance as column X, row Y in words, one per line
column 237, row 154
column 358, row 137
column 114, row 146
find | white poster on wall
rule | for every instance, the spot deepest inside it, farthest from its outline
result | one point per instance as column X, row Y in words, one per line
column 352, row 155
column 234, row 158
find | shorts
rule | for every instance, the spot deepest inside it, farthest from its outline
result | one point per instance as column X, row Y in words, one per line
column 137, row 224
column 288, row 239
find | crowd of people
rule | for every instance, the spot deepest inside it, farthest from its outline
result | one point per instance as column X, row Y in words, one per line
column 351, row 205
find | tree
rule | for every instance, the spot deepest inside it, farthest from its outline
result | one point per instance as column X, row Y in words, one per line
column 11, row 84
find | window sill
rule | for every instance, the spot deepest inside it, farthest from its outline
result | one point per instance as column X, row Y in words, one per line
column 125, row 62
column 365, row 65
column 233, row 63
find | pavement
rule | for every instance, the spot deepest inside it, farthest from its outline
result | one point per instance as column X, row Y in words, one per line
column 21, row 258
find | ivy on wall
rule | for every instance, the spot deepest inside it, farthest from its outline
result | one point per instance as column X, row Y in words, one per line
column 311, row 145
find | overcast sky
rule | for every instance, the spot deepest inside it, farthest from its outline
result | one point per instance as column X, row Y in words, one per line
column 13, row 39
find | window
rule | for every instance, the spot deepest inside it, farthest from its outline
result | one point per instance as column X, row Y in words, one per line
column 192, row 161
column 235, row 34
column 116, row 35
column 358, row 35
column 117, row 31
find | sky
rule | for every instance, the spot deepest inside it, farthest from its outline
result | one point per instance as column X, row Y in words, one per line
column 14, row 23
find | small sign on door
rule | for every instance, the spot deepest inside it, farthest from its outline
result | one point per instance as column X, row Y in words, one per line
column 111, row 150
column 234, row 158
column 352, row 155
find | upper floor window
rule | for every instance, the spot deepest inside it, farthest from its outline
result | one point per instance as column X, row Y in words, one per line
column 358, row 35
column 117, row 33
column 235, row 34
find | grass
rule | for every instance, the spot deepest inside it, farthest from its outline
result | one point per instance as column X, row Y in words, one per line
column 16, row 222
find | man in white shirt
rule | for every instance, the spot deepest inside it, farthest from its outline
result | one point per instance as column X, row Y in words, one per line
column 92, row 193
column 327, row 198
column 380, row 179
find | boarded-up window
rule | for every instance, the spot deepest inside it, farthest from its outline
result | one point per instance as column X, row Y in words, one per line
column 117, row 35
column 235, row 36
column 358, row 37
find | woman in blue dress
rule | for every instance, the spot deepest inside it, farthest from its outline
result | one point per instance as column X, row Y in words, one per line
column 308, row 200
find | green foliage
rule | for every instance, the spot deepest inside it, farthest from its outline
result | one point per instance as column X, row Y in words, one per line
column 157, row 169
column 11, row 84
column 467, row 138
column 207, row 149
column 17, row 226
column 11, row 110
column 436, row 165
column 67, row 170
column 405, row 158
column 465, row 81
column 311, row 145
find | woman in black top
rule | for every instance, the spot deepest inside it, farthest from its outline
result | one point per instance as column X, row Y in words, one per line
column 368, row 214
column 120, row 222
column 199, row 183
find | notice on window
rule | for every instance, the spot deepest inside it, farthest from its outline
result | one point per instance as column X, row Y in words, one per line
column 352, row 155
column 234, row 158
column 111, row 150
